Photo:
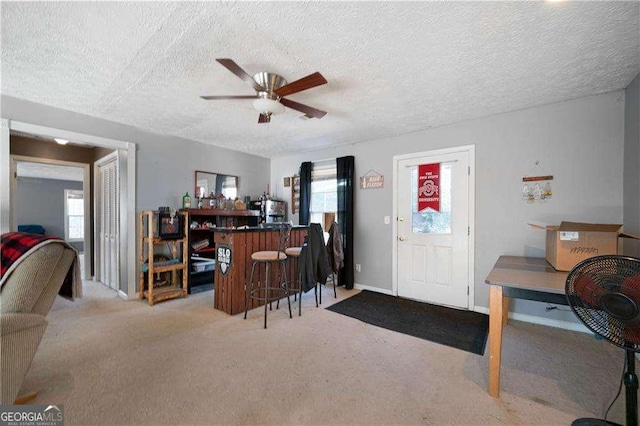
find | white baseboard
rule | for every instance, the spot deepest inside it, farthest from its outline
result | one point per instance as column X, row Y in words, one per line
column 124, row 296
column 566, row 325
column 375, row 289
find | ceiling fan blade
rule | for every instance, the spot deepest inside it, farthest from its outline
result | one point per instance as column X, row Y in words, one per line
column 312, row 80
column 310, row 111
column 235, row 68
column 264, row 118
column 209, row 98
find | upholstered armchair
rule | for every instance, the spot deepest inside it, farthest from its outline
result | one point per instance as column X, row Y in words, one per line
column 26, row 297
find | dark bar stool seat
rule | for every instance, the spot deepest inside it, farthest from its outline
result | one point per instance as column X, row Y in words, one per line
column 269, row 293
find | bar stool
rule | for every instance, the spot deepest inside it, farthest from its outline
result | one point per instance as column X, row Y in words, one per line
column 294, row 253
column 268, row 258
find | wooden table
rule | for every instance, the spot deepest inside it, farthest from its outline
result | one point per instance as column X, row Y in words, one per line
column 529, row 278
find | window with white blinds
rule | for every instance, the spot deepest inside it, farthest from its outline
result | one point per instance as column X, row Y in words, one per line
column 73, row 215
column 324, row 187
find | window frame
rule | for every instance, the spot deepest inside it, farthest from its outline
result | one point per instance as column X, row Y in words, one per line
column 67, row 215
column 324, row 171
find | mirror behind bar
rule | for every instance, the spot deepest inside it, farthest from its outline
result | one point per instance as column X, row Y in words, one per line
column 207, row 183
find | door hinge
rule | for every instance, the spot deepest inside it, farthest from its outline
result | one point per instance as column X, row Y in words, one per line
column 467, row 290
column 469, row 170
column 468, row 230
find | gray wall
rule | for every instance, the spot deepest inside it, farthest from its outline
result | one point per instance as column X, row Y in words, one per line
column 580, row 142
column 41, row 202
column 632, row 165
column 165, row 164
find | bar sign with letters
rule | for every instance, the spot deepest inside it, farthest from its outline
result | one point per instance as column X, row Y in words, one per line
column 429, row 187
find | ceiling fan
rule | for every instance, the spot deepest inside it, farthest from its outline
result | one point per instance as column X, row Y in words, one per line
column 270, row 91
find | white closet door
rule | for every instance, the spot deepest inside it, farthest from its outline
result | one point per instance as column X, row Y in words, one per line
column 109, row 223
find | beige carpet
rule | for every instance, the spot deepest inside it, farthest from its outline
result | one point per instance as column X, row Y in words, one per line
column 181, row 362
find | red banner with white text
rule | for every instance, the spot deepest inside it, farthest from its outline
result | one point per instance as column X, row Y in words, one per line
column 429, row 187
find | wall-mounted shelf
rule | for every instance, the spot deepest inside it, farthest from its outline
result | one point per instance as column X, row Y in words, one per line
column 295, row 194
column 536, row 178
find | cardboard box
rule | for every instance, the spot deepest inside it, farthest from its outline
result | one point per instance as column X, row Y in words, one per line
column 572, row 242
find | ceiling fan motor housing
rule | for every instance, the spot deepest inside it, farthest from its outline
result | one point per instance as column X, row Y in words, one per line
column 271, row 82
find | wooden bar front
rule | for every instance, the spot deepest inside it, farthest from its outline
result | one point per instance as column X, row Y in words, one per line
column 230, row 287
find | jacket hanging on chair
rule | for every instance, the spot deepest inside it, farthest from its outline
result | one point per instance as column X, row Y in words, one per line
column 314, row 265
column 334, row 249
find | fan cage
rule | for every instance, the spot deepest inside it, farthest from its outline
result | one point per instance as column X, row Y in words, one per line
column 600, row 276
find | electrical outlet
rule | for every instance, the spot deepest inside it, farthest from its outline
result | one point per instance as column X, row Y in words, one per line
column 387, row 220
column 358, row 267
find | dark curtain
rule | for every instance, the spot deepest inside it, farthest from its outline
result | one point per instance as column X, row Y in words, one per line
column 345, row 172
column 305, row 192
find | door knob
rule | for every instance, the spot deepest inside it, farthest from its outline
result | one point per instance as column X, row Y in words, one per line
column 402, row 238
column 400, row 219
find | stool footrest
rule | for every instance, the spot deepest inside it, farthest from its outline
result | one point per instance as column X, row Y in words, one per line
column 282, row 292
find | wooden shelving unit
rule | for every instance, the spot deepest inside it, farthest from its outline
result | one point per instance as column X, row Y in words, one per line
column 178, row 262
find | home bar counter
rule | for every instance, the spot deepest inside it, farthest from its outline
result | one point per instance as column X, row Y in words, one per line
column 234, row 247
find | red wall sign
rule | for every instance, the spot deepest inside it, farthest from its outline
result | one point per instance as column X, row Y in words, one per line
column 429, row 186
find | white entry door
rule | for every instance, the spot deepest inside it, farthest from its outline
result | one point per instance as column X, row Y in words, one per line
column 433, row 246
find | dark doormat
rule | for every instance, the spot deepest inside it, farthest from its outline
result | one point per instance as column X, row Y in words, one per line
column 464, row 330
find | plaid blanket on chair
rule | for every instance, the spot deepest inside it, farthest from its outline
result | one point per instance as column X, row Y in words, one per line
column 13, row 245
column 16, row 246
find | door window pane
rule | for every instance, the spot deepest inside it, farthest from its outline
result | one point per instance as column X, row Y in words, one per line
column 429, row 221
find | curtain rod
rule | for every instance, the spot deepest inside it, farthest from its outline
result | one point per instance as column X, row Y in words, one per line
column 324, row 160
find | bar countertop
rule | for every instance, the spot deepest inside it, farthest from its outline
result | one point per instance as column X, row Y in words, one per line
column 220, row 212
column 254, row 228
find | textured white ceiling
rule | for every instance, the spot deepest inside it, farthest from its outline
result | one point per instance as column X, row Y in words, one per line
column 391, row 67
column 48, row 171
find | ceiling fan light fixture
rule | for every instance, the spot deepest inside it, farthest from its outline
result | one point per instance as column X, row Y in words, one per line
column 61, row 141
column 268, row 106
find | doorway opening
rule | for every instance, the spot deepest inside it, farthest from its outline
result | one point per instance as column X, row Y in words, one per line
column 52, row 197
column 126, row 243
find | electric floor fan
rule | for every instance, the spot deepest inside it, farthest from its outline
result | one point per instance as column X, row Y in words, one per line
column 604, row 293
